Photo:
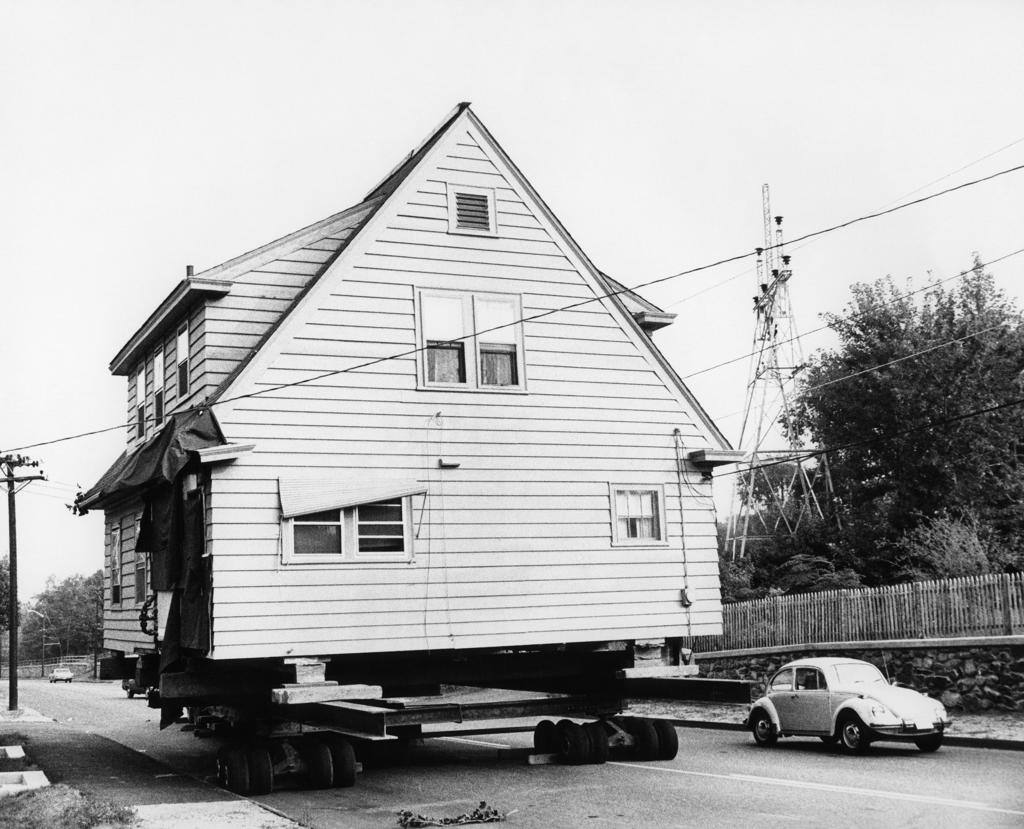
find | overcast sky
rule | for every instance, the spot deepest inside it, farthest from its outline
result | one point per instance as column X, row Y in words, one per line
column 139, row 137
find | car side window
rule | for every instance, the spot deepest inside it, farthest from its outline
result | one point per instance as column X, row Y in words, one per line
column 782, row 681
column 809, row 679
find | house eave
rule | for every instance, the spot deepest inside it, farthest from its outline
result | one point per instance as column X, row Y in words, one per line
column 176, row 303
column 710, row 458
column 654, row 320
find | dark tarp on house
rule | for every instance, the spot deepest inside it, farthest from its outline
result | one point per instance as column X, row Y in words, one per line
column 173, row 528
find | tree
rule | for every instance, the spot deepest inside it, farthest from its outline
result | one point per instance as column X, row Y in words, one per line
column 69, row 614
column 968, row 471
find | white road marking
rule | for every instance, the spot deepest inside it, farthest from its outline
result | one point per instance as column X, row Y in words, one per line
column 829, row 787
column 476, row 742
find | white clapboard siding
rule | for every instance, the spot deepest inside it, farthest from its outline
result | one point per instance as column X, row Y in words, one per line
column 514, row 547
column 121, row 629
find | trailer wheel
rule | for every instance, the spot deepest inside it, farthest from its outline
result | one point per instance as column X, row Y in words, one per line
column 598, row 742
column 319, row 763
column 645, row 737
column 573, row 743
column 343, row 760
column 261, row 771
column 233, row 770
column 668, row 740
column 545, row 737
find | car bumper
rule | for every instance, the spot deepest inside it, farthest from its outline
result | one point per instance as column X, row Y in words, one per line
column 906, row 730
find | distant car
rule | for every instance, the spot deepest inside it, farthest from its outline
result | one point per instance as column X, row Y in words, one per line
column 844, row 701
column 131, row 688
column 61, row 675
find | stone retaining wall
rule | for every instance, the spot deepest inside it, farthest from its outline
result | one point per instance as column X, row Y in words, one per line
column 965, row 674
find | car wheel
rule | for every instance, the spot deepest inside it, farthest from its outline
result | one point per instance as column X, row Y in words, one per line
column 668, row 740
column 573, row 743
column 853, row 736
column 131, row 694
column 645, row 737
column 933, row 742
column 261, row 771
column 545, row 737
column 762, row 728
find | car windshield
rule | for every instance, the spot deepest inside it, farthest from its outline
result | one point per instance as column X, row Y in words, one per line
column 852, row 673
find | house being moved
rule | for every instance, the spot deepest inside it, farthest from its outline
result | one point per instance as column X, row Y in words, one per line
column 414, row 438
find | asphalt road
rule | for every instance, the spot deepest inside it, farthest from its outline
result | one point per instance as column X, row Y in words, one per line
column 718, row 779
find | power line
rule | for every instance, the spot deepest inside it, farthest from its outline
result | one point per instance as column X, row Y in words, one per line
column 859, row 314
column 534, row 317
column 932, row 424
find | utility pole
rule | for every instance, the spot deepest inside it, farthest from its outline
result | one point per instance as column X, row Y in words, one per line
column 9, row 464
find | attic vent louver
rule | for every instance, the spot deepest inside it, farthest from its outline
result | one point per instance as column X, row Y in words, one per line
column 472, row 212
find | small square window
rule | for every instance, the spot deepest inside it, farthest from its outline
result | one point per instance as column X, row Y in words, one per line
column 318, row 533
column 381, row 528
column 638, row 515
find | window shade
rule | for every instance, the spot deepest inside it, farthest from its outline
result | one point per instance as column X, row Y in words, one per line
column 302, row 496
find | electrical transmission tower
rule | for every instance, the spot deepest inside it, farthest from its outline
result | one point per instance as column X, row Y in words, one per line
column 769, row 500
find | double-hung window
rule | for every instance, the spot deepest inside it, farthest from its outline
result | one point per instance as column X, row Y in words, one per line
column 141, row 580
column 140, row 402
column 158, row 387
column 638, row 515
column 115, row 564
column 471, row 340
column 182, row 358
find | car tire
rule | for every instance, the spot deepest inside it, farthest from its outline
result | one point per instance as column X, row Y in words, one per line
column 645, row 737
column 319, row 763
column 261, row 771
column 573, row 743
column 545, row 737
column 668, row 740
column 852, row 733
column 831, row 739
column 598, row 742
column 933, row 742
column 131, row 694
column 343, row 759
column 763, row 729
column 233, row 770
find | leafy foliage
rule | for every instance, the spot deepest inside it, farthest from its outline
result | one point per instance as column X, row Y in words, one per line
column 69, row 612
column 481, row 814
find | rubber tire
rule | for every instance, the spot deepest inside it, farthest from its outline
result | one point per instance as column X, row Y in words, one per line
column 319, row 762
column 131, row 695
column 598, row 743
column 831, row 739
column 645, row 738
column 933, row 742
column 343, row 758
column 573, row 743
column 852, row 734
column 763, row 729
column 668, row 740
column 261, row 771
column 233, row 770
column 545, row 737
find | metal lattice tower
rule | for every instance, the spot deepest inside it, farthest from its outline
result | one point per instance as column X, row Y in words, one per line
column 764, row 502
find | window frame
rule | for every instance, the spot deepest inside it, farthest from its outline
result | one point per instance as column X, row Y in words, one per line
column 159, row 388
column 350, row 553
column 140, row 401
column 181, row 357
column 471, row 342
column 141, row 564
column 116, row 576
column 469, row 190
column 659, row 492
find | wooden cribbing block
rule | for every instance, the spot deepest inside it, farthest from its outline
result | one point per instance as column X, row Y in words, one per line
column 327, row 692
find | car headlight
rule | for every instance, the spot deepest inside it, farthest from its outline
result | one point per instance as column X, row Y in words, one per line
column 879, row 711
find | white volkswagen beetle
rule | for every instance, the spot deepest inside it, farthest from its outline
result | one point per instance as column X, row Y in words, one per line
column 846, row 701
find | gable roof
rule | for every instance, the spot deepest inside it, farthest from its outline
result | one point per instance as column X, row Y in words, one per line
column 629, row 304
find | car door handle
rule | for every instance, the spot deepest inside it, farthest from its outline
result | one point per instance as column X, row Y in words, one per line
column 794, row 696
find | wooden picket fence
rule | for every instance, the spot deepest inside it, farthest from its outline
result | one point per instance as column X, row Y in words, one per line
column 989, row 605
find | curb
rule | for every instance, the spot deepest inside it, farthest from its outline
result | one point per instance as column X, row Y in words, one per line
column 962, row 742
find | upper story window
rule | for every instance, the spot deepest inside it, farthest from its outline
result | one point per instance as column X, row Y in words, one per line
column 140, row 402
column 471, row 340
column 182, row 358
column 471, row 210
column 115, row 564
column 158, row 387
column 638, row 515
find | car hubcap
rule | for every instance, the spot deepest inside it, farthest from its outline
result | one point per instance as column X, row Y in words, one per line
column 851, row 734
column 763, row 728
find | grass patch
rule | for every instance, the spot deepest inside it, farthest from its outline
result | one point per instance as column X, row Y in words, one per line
column 62, row 807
